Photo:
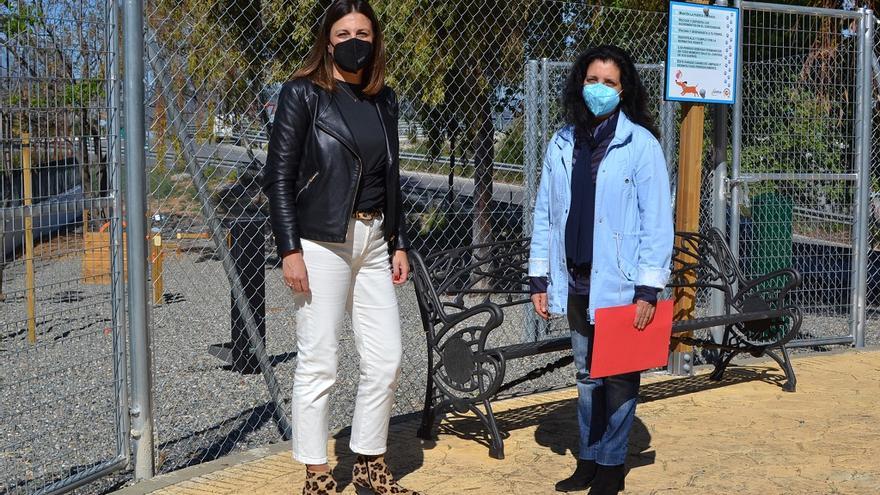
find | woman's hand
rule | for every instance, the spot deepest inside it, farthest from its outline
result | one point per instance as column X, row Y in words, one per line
column 399, row 267
column 295, row 275
column 539, row 300
column 644, row 314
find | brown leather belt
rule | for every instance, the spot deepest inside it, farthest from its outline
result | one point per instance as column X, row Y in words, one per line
column 367, row 216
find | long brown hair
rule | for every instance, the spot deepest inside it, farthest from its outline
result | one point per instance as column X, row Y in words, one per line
column 318, row 66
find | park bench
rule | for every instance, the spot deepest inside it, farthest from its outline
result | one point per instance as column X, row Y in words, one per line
column 465, row 293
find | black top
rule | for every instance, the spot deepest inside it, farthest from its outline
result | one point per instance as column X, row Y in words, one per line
column 362, row 117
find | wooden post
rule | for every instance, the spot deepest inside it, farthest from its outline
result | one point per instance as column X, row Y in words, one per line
column 85, row 220
column 158, row 281
column 28, row 192
column 687, row 198
column 687, row 208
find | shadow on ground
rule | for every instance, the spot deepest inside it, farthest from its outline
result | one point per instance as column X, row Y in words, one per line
column 556, row 422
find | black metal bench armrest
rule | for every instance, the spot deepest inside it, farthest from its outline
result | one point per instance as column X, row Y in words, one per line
column 792, row 279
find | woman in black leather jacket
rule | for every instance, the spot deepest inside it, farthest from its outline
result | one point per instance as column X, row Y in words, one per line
column 333, row 185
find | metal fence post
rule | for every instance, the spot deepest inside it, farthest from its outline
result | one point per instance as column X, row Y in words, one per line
column 531, row 153
column 667, row 133
column 736, row 148
column 545, row 102
column 719, row 191
column 531, row 165
column 863, row 183
column 117, row 246
column 135, row 167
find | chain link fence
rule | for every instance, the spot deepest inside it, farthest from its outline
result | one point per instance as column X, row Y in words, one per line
column 215, row 68
column 799, row 171
column 478, row 85
column 63, row 410
column 873, row 280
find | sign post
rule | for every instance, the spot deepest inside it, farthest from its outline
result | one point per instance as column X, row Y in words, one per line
column 701, row 62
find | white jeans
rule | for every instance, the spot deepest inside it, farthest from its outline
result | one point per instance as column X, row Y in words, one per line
column 353, row 276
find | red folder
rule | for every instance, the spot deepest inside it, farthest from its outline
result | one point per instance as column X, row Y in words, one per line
column 619, row 347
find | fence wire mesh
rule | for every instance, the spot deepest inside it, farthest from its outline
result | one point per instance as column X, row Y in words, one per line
column 61, row 348
column 799, row 90
column 872, row 336
column 458, row 69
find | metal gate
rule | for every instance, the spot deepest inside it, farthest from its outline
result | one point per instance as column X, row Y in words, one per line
column 63, row 404
column 801, row 160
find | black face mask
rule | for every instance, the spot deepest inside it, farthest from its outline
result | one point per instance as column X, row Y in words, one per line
column 353, row 55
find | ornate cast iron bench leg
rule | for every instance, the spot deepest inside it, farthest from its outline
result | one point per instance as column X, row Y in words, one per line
column 425, row 431
column 428, row 415
column 785, row 363
column 496, row 442
column 721, row 365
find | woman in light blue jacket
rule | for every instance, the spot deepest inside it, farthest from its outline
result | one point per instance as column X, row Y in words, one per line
column 602, row 237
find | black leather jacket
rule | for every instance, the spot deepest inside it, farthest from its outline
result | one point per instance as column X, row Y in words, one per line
column 313, row 172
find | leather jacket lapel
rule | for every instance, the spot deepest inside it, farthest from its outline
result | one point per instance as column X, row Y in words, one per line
column 331, row 121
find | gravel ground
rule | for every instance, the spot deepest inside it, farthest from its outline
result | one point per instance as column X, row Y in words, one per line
column 57, row 400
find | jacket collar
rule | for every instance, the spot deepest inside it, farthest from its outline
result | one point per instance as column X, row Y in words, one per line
column 329, row 116
column 622, row 133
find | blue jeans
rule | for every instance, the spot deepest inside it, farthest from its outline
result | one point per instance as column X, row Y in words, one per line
column 606, row 406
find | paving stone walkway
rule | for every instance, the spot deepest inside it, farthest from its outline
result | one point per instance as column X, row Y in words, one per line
column 692, row 436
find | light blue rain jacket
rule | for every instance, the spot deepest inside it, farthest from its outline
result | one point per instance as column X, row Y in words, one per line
column 633, row 232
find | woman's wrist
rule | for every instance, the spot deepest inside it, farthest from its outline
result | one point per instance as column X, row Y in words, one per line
column 646, row 293
column 538, row 285
column 291, row 252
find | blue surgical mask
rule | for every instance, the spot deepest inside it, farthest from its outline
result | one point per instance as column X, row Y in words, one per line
column 600, row 99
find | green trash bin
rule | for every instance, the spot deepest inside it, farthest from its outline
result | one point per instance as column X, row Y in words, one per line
column 771, row 247
column 771, row 233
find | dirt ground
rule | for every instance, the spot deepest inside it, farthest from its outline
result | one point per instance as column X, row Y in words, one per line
column 741, row 436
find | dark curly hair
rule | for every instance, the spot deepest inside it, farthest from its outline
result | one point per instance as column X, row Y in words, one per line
column 633, row 100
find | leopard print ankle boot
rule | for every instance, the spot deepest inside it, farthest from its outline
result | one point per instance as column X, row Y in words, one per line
column 319, row 483
column 373, row 474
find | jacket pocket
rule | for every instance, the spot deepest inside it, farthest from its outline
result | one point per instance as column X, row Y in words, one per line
column 308, row 183
column 626, row 267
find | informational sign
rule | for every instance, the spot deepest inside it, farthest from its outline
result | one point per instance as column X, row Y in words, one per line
column 703, row 53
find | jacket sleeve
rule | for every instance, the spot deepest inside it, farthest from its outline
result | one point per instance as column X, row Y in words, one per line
column 291, row 123
column 655, row 210
column 539, row 249
column 401, row 240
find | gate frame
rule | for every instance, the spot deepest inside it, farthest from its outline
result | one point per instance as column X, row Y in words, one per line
column 861, row 177
column 122, row 459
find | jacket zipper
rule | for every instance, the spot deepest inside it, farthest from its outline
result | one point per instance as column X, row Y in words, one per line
column 390, row 163
column 353, row 152
column 309, row 183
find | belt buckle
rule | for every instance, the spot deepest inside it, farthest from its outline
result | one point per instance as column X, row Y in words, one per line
column 366, row 216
